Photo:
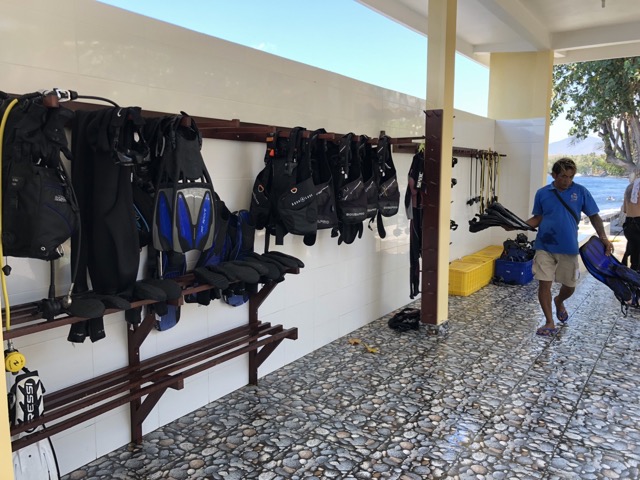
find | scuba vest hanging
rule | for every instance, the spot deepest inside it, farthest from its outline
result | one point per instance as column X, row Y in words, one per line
column 185, row 202
column 380, row 181
column 351, row 200
column 107, row 144
column 315, row 150
column 387, row 183
column 175, row 198
column 283, row 198
column 368, row 161
column 39, row 209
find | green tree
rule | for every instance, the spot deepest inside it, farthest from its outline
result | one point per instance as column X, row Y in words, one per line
column 602, row 97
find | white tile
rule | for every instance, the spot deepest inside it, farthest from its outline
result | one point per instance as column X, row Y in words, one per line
column 228, row 377
column 75, row 448
column 108, row 438
column 301, row 317
column 176, row 403
column 41, row 42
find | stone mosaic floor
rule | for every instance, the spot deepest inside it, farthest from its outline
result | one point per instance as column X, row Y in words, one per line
column 487, row 400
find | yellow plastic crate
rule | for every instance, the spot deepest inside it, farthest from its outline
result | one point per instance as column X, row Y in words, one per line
column 466, row 278
column 493, row 251
column 475, row 258
column 481, row 259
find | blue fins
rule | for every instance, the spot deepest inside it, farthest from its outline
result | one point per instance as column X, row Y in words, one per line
column 185, row 205
column 193, row 218
column 623, row 281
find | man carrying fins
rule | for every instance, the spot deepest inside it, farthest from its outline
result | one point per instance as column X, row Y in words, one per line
column 556, row 213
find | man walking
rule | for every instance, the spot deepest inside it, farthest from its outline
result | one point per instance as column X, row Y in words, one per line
column 557, row 208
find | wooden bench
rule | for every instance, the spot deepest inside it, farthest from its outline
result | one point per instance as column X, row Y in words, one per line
column 148, row 378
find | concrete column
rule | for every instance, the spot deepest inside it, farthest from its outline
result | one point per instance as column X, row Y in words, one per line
column 520, row 87
column 440, row 86
column 6, row 458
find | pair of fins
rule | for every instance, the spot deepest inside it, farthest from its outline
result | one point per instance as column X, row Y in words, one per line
column 622, row 280
column 496, row 215
column 185, row 204
column 36, row 462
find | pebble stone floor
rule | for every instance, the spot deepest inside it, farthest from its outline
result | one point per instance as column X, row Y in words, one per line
column 484, row 399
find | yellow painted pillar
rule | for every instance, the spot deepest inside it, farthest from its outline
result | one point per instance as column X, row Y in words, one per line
column 6, row 459
column 520, row 87
column 440, row 85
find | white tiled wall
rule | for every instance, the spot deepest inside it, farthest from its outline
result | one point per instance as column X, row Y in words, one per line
column 100, row 50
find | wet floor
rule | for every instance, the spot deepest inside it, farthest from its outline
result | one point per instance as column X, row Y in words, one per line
column 488, row 399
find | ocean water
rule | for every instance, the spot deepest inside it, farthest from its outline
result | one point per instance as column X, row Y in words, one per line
column 608, row 192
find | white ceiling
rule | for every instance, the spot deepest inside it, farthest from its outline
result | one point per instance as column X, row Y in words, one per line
column 576, row 30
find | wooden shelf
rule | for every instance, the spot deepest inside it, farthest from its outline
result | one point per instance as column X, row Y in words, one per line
column 142, row 383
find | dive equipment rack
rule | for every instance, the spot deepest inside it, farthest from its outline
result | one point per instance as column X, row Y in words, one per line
column 142, row 382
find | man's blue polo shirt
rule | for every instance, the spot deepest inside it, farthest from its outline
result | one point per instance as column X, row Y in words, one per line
column 558, row 231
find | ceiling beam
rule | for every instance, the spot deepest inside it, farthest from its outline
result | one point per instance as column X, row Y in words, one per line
column 597, row 53
column 597, row 36
column 400, row 13
column 520, row 19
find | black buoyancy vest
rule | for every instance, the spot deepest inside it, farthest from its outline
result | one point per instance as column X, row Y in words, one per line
column 39, row 210
column 369, row 160
column 283, row 197
column 107, row 143
column 386, row 181
column 315, row 150
column 351, row 200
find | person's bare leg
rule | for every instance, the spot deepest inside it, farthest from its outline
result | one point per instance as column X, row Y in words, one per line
column 544, row 297
column 564, row 293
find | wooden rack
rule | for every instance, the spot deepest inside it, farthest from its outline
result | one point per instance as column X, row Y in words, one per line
column 148, row 378
column 237, row 130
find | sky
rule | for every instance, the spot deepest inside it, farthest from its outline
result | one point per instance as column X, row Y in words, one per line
column 378, row 50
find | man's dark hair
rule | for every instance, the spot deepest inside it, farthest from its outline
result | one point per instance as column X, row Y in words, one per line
column 564, row 164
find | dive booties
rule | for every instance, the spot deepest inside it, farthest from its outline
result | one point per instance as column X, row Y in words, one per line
column 283, row 256
column 236, row 273
column 273, row 272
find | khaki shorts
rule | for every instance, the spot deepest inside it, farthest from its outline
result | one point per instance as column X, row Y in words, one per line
column 559, row 267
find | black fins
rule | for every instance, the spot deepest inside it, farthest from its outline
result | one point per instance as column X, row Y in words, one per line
column 497, row 215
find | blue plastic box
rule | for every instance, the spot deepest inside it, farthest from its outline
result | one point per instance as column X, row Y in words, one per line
column 515, row 273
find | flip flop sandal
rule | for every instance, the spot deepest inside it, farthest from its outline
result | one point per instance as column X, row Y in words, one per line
column 562, row 317
column 546, row 331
